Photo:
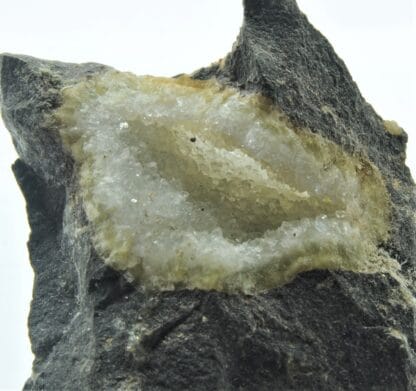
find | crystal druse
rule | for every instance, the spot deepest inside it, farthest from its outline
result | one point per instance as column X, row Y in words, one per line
column 191, row 184
column 247, row 227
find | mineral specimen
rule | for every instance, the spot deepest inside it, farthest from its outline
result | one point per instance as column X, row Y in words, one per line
column 247, row 227
column 215, row 189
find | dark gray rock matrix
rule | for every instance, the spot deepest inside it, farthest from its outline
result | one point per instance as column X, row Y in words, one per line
column 326, row 330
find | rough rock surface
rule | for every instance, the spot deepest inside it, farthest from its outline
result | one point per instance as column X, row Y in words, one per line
column 326, row 330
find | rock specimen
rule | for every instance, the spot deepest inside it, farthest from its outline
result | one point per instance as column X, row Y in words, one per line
column 247, row 227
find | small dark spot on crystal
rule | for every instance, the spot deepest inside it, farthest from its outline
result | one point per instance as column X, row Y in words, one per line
column 193, row 139
column 202, row 209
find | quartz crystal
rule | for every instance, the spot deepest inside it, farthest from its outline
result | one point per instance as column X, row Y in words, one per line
column 192, row 184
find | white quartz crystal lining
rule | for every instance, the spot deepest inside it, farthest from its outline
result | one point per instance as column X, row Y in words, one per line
column 189, row 184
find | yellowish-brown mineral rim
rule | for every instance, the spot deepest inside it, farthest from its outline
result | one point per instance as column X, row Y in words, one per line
column 195, row 185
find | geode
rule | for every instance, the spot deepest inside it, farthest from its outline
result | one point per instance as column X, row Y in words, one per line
column 247, row 227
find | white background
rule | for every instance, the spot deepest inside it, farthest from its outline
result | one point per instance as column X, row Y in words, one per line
column 376, row 39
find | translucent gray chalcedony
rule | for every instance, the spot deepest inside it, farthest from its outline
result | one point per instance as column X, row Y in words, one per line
column 91, row 328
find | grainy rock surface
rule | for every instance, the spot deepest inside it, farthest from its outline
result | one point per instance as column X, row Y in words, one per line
column 326, row 330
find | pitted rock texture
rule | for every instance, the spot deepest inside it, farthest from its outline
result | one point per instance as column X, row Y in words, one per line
column 92, row 328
